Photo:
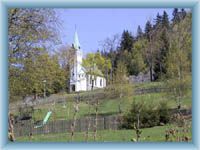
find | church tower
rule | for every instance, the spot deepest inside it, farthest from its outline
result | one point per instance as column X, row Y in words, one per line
column 79, row 78
column 76, row 71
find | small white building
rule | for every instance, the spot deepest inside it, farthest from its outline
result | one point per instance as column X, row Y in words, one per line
column 80, row 79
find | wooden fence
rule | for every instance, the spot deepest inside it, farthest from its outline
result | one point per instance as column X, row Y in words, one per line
column 112, row 122
column 24, row 128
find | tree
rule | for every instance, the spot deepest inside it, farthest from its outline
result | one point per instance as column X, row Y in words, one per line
column 179, row 61
column 126, row 41
column 158, row 20
column 160, row 59
column 29, row 29
column 30, row 32
column 139, row 32
column 175, row 18
column 66, row 58
column 183, row 12
column 121, row 73
column 165, row 20
column 96, row 64
column 43, row 68
column 162, row 38
column 109, row 46
column 150, row 50
column 148, row 29
column 138, row 63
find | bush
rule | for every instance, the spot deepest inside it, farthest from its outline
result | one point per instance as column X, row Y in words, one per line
column 164, row 112
column 149, row 115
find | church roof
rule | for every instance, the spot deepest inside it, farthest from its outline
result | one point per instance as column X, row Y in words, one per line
column 76, row 41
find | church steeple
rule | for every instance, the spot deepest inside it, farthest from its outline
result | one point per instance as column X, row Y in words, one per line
column 76, row 44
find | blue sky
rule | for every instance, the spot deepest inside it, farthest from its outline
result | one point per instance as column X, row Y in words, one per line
column 95, row 25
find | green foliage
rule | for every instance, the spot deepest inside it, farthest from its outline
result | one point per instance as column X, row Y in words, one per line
column 126, row 41
column 30, row 32
column 179, row 61
column 178, row 15
column 160, row 59
column 158, row 20
column 121, row 73
column 149, row 115
column 138, row 62
column 30, row 78
column 148, row 29
column 95, row 64
column 165, row 20
column 139, row 32
column 163, row 112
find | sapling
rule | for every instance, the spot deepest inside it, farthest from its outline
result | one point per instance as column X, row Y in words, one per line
column 11, row 128
column 88, row 121
column 76, row 109
column 96, row 121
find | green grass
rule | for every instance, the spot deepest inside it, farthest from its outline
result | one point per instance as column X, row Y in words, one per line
column 154, row 134
column 107, row 106
column 149, row 85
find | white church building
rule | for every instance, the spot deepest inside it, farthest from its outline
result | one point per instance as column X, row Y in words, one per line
column 80, row 79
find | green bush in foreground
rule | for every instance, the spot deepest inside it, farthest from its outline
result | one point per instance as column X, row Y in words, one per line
column 149, row 115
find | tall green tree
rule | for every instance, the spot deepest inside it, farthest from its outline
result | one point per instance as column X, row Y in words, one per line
column 179, row 60
column 160, row 59
column 175, row 15
column 165, row 20
column 163, row 47
column 148, row 29
column 30, row 32
column 139, row 32
column 127, row 40
column 138, row 62
column 158, row 20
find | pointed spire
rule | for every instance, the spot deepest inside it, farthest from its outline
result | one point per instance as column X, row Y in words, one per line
column 76, row 41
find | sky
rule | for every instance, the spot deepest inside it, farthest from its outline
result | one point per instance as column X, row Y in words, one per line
column 95, row 25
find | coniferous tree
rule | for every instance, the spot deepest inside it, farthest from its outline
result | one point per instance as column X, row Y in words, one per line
column 165, row 20
column 183, row 13
column 163, row 48
column 175, row 15
column 148, row 29
column 158, row 20
column 125, row 49
column 139, row 32
column 126, row 41
column 160, row 62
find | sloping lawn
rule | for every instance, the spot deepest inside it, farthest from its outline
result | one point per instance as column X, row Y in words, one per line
column 154, row 134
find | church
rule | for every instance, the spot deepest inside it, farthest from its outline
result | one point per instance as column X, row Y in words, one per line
column 80, row 79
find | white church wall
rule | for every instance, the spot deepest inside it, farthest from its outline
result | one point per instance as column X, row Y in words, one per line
column 98, row 83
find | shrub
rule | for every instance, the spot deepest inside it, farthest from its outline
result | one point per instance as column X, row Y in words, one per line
column 149, row 115
column 164, row 113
